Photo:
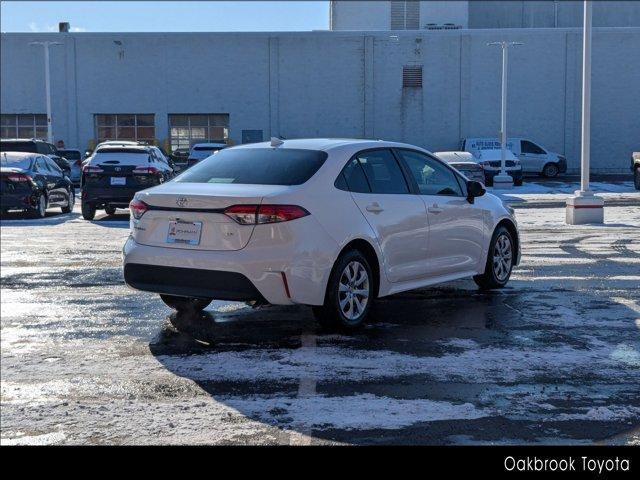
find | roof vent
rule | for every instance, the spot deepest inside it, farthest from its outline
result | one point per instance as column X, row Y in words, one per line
column 64, row 27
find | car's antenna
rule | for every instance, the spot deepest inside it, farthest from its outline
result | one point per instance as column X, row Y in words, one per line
column 276, row 142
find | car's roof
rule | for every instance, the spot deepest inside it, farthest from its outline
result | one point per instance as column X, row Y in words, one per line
column 326, row 144
column 107, row 148
column 17, row 155
column 69, row 149
column 22, row 140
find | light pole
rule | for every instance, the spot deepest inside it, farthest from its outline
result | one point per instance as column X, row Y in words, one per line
column 503, row 180
column 47, row 83
column 585, row 207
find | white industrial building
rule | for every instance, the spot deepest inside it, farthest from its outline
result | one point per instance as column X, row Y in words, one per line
column 431, row 87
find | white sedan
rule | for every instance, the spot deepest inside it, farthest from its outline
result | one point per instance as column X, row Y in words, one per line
column 328, row 223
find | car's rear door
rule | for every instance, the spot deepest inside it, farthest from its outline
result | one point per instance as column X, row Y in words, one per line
column 380, row 189
column 532, row 157
column 455, row 225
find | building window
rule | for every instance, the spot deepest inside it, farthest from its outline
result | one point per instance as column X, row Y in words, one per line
column 30, row 125
column 187, row 129
column 125, row 126
column 412, row 76
column 405, row 15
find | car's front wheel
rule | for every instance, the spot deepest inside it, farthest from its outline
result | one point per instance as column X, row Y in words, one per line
column 500, row 259
column 550, row 170
column 636, row 178
column 185, row 304
column 349, row 293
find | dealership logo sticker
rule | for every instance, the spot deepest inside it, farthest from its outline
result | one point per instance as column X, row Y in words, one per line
column 182, row 202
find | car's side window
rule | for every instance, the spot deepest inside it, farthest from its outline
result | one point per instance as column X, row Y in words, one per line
column 53, row 167
column 42, row 165
column 382, row 171
column 431, row 176
column 530, row 147
column 352, row 178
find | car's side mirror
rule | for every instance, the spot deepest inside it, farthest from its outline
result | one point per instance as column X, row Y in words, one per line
column 474, row 189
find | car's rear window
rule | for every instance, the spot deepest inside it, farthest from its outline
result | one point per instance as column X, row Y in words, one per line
column 256, row 166
column 18, row 147
column 206, row 149
column 70, row 154
column 121, row 156
column 7, row 160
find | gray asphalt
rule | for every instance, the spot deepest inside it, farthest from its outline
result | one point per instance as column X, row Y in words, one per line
column 553, row 358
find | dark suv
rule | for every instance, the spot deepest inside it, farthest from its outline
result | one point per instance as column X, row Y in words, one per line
column 114, row 173
column 33, row 145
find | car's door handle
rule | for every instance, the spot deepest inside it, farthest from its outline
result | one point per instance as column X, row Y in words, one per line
column 434, row 209
column 374, row 208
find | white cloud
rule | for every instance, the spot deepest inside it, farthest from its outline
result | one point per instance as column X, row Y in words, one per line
column 34, row 27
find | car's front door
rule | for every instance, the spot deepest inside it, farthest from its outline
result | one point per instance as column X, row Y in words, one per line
column 380, row 189
column 532, row 157
column 455, row 225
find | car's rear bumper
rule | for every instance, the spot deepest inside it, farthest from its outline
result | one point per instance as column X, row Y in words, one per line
column 15, row 201
column 285, row 263
column 191, row 282
column 119, row 197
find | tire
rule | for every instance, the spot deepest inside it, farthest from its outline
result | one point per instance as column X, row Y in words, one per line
column 88, row 211
column 636, row 178
column 40, row 209
column 500, row 258
column 72, row 200
column 185, row 304
column 343, row 308
column 518, row 183
column 550, row 170
column 110, row 210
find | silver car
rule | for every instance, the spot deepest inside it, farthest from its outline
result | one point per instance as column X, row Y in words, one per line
column 465, row 163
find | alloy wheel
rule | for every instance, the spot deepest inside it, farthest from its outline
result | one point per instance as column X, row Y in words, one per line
column 353, row 290
column 502, row 257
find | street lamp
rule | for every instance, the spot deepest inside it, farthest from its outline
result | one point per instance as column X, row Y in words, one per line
column 503, row 180
column 47, row 82
column 585, row 207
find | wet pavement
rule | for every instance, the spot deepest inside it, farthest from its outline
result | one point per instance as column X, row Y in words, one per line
column 553, row 358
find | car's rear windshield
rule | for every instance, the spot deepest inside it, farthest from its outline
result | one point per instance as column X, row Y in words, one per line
column 8, row 160
column 256, row 166
column 70, row 154
column 18, row 147
column 121, row 156
column 206, row 149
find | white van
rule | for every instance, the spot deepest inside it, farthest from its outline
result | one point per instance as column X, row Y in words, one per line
column 533, row 157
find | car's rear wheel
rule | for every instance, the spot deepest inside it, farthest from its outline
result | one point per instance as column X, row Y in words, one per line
column 40, row 210
column 518, row 183
column 500, row 259
column 636, row 178
column 550, row 170
column 110, row 210
column 185, row 304
column 349, row 293
column 70, row 202
column 88, row 211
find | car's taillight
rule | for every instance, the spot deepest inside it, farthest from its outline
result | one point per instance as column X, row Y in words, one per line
column 78, row 163
column 92, row 169
column 260, row 214
column 145, row 170
column 137, row 208
column 19, row 177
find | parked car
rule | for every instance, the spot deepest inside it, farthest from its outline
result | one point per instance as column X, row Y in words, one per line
column 74, row 157
column 328, row 223
column 33, row 182
column 200, row 151
column 491, row 161
column 535, row 159
column 37, row 146
column 115, row 173
column 635, row 168
column 465, row 163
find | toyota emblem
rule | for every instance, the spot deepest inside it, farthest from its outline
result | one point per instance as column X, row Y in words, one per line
column 182, row 201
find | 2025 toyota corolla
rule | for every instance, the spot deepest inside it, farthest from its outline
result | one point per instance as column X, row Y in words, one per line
column 328, row 223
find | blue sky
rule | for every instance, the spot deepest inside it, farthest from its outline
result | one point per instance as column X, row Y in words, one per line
column 168, row 16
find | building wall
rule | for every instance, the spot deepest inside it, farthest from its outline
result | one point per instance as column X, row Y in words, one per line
column 340, row 85
column 374, row 15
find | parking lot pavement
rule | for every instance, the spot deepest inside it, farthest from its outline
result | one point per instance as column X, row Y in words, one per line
column 553, row 358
